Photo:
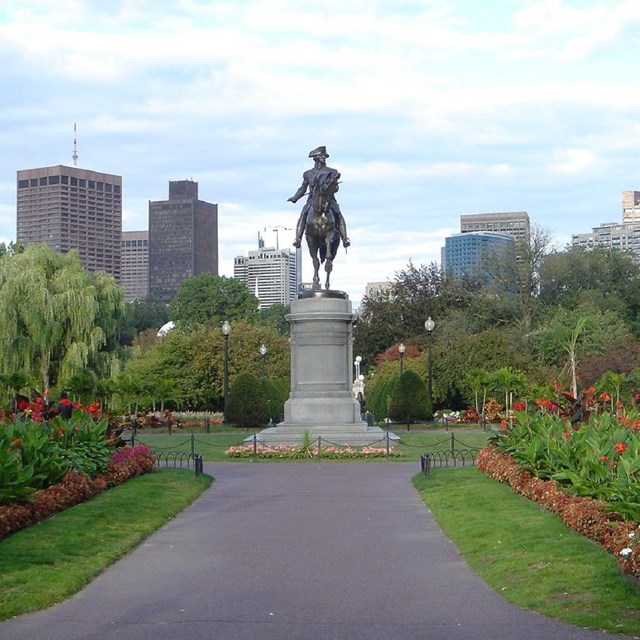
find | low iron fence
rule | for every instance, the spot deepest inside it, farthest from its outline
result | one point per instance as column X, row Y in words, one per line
column 175, row 456
column 458, row 454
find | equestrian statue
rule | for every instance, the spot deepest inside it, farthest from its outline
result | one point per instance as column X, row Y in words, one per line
column 321, row 220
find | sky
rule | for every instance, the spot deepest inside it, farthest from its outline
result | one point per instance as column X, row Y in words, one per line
column 428, row 108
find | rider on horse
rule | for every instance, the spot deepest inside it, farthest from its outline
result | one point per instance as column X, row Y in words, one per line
column 309, row 178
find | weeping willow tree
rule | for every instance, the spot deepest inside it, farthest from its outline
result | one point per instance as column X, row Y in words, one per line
column 55, row 317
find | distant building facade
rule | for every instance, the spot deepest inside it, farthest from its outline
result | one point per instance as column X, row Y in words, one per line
column 615, row 235
column 135, row 265
column 183, row 239
column 71, row 208
column 273, row 275
column 630, row 207
column 376, row 288
column 465, row 252
column 514, row 223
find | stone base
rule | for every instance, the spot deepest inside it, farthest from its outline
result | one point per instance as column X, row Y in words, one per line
column 321, row 401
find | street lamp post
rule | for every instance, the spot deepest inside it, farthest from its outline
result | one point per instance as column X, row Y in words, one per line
column 263, row 354
column 357, row 366
column 401, row 350
column 226, row 330
column 429, row 325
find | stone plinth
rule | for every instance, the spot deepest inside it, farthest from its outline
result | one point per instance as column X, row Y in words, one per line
column 321, row 402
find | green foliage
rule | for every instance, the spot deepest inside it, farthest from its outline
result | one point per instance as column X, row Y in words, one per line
column 35, row 455
column 142, row 315
column 193, row 361
column 379, row 391
column 410, row 400
column 248, row 402
column 71, row 321
column 603, row 278
column 209, row 299
column 599, row 459
column 274, row 317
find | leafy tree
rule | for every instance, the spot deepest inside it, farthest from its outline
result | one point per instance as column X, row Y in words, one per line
column 612, row 383
column 478, row 382
column 55, row 317
column 194, row 359
column 209, row 299
column 508, row 381
column 410, row 400
column 569, row 336
column 274, row 317
column 515, row 279
column 601, row 277
column 248, row 403
column 143, row 315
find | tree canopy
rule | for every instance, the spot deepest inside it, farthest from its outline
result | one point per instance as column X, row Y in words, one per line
column 55, row 317
column 209, row 299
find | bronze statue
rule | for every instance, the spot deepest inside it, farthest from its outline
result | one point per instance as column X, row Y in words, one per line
column 319, row 156
column 321, row 220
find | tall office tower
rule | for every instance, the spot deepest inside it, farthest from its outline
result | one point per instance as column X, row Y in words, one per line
column 183, row 239
column 71, row 208
column 135, row 265
column 273, row 275
column 465, row 252
column 515, row 223
column 630, row 207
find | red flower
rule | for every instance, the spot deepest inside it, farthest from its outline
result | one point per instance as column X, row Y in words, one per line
column 605, row 397
column 566, row 434
column 519, row 406
column 620, row 447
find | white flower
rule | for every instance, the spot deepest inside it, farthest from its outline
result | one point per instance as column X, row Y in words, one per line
column 626, row 552
column 632, row 534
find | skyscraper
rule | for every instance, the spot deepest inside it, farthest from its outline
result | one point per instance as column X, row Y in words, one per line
column 273, row 275
column 515, row 223
column 183, row 239
column 71, row 208
column 465, row 252
column 135, row 265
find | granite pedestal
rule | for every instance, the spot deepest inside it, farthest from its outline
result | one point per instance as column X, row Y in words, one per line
column 321, row 401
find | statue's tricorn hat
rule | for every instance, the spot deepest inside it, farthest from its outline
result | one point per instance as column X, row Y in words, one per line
column 319, row 151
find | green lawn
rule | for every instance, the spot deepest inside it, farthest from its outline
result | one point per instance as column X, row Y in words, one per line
column 528, row 555
column 46, row 563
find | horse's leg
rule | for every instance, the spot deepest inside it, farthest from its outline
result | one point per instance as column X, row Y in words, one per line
column 313, row 250
column 328, row 263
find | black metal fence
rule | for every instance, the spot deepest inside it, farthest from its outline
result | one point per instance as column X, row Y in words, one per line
column 174, row 456
column 458, row 454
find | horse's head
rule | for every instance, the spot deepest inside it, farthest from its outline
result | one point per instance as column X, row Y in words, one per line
column 323, row 188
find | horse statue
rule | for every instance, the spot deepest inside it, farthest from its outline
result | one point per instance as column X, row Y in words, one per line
column 321, row 231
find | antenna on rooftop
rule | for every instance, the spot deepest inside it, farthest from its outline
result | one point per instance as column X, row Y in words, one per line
column 75, row 148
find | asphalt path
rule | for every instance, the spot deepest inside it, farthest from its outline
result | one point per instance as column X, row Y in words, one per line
column 295, row 551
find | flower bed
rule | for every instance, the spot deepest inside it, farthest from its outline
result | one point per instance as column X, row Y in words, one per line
column 75, row 488
column 292, row 452
column 590, row 517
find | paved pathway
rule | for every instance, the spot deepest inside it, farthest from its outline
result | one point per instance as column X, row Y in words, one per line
column 310, row 551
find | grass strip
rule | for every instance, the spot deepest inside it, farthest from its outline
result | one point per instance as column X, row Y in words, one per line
column 44, row 564
column 529, row 555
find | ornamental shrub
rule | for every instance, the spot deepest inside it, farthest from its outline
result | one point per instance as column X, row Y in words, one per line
column 378, row 397
column 248, row 402
column 410, row 400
